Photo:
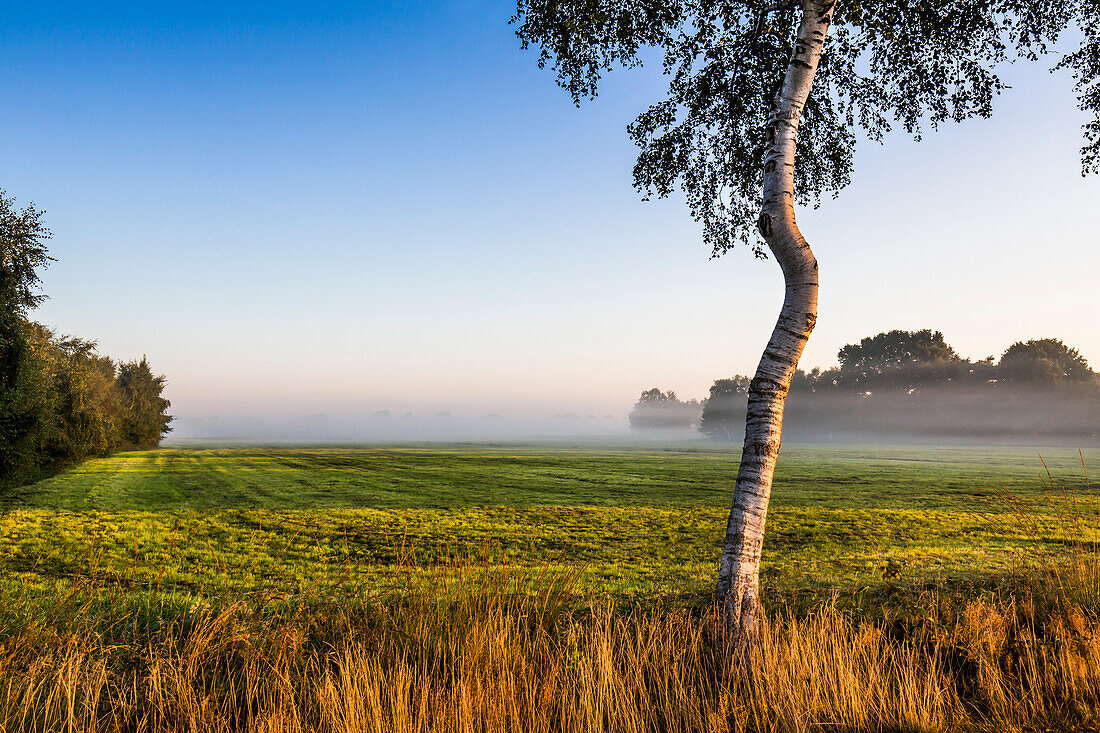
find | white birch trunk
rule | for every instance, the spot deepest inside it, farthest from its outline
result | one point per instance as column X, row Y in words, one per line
column 738, row 589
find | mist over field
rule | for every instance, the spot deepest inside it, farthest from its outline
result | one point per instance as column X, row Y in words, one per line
column 946, row 415
column 949, row 415
column 389, row 425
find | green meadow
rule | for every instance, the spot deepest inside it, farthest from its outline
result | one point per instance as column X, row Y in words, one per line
column 633, row 523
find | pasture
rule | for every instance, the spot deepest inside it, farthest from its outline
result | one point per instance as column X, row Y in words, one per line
column 546, row 588
column 640, row 524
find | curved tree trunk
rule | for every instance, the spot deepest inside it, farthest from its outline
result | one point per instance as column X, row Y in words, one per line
column 738, row 589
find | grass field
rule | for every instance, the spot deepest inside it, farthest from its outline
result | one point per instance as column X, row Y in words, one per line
column 546, row 588
column 638, row 524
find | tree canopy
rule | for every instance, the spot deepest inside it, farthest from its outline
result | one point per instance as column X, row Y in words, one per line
column 657, row 410
column 22, row 254
column 1045, row 360
column 25, row 396
column 884, row 65
column 145, row 419
column 904, row 358
column 887, row 381
column 724, row 409
column 60, row 400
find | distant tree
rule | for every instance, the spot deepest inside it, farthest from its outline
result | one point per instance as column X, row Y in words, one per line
column 810, row 381
column 763, row 107
column 26, row 408
column 654, row 396
column 724, row 409
column 899, row 358
column 145, row 419
column 1044, row 361
column 895, row 348
column 657, row 410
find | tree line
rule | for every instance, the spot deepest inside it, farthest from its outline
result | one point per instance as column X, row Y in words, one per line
column 60, row 400
column 908, row 382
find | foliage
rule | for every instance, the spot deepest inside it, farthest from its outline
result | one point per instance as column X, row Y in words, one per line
column 910, row 360
column 724, row 409
column 1045, row 361
column 88, row 408
column 898, row 358
column 657, row 410
column 84, row 406
column 26, row 398
column 145, row 418
column 895, row 62
column 908, row 383
column 22, row 254
column 60, row 401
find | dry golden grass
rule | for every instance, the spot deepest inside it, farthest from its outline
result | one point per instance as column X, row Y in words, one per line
column 488, row 651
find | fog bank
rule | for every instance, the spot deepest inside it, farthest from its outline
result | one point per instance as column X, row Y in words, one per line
column 945, row 415
column 390, row 426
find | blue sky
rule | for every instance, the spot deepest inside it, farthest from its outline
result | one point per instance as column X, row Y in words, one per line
column 335, row 206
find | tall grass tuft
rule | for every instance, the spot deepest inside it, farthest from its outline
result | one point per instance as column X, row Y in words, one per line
column 488, row 649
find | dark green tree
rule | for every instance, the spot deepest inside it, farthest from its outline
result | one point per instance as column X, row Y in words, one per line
column 145, row 416
column 764, row 103
column 23, row 254
column 25, row 393
column 60, row 400
column 657, row 410
column 88, row 405
column 900, row 359
column 724, row 410
column 1044, row 362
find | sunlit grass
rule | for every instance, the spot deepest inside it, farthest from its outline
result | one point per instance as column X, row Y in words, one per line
column 515, row 588
column 484, row 648
column 631, row 523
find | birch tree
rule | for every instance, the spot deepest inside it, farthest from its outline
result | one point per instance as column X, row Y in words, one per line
column 764, row 105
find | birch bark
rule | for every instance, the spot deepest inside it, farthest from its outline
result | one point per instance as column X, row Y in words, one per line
column 738, row 590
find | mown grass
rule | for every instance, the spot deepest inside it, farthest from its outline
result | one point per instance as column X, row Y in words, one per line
column 447, row 477
column 638, row 524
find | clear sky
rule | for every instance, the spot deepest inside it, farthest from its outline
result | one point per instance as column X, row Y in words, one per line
column 332, row 206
